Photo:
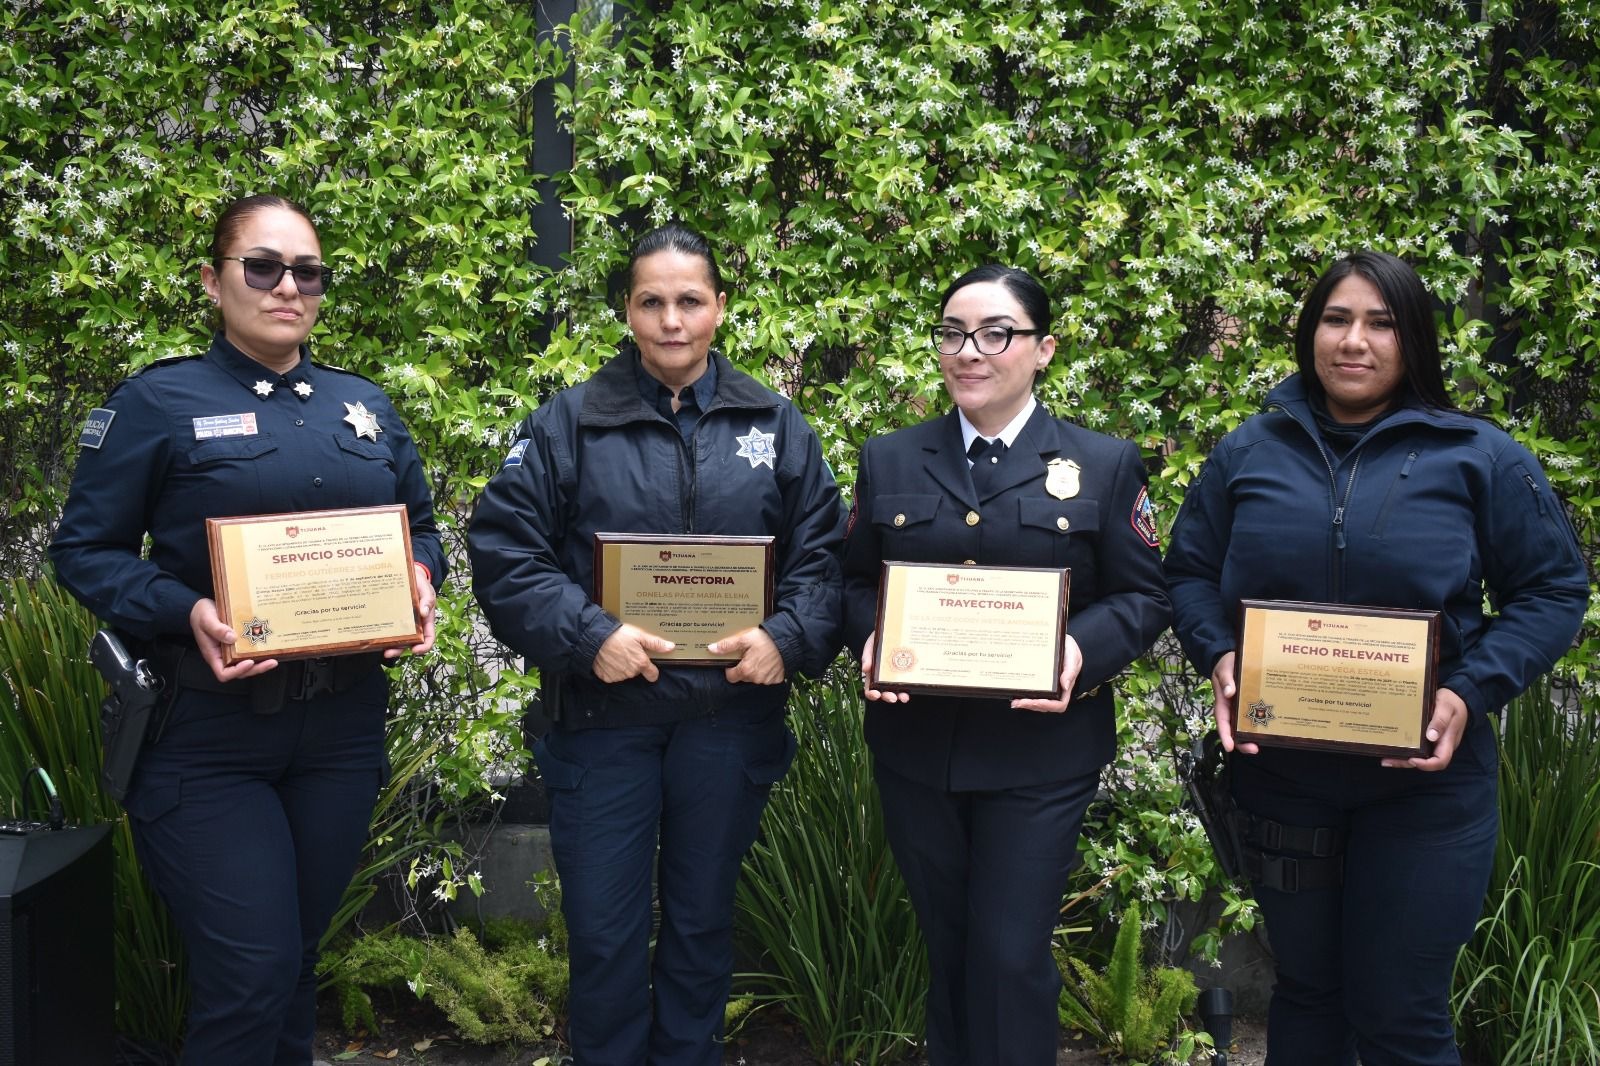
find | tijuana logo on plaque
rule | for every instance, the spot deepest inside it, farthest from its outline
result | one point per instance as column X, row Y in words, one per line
column 1336, row 677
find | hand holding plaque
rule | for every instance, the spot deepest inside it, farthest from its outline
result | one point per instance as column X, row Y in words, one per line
column 692, row 591
column 1336, row 677
column 990, row 631
column 314, row 583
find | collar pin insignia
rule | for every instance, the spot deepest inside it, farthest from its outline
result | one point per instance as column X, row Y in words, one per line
column 263, row 388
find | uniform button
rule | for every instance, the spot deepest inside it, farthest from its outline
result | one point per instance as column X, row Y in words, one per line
column 899, row 520
column 299, row 421
column 972, row 518
column 317, row 481
column 1062, row 523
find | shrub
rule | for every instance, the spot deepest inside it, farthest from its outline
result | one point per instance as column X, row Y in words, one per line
column 50, row 717
column 821, row 899
column 511, row 986
column 1129, row 1010
column 1527, row 987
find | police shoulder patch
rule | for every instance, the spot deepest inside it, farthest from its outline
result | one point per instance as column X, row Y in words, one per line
column 514, row 457
column 1143, row 518
column 95, row 427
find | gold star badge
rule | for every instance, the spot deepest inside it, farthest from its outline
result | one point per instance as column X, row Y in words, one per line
column 1061, row 478
column 364, row 421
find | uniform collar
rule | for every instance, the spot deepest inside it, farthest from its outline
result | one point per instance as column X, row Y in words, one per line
column 262, row 382
column 611, row 397
column 1290, row 396
column 1008, row 434
column 702, row 389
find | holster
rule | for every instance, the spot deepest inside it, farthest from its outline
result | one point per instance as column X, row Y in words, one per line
column 1203, row 769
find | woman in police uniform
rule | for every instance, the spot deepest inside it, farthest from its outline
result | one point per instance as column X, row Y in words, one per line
column 983, row 798
column 1361, row 483
column 250, row 806
column 657, row 768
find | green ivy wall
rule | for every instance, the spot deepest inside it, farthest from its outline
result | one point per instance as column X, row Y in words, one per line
column 1176, row 171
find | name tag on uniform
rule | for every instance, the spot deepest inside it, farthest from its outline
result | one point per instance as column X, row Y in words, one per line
column 225, row 426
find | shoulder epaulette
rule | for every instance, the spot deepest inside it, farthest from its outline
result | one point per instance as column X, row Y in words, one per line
column 343, row 370
column 171, row 360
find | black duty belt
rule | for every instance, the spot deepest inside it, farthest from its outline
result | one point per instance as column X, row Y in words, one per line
column 298, row 679
column 1320, row 864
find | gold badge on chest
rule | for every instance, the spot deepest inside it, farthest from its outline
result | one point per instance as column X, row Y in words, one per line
column 1061, row 478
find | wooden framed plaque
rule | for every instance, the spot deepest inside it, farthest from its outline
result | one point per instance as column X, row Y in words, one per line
column 315, row 583
column 1336, row 677
column 991, row 631
column 692, row 590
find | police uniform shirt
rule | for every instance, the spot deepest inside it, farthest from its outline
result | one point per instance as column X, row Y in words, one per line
column 1062, row 496
column 216, row 436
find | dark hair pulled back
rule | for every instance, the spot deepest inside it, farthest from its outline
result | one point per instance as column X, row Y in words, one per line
column 233, row 217
column 675, row 237
column 1028, row 292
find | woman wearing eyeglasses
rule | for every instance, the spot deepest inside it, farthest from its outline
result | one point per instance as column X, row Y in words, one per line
column 252, row 798
column 983, row 798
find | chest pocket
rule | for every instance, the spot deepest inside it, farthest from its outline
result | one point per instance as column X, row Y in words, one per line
column 366, row 449
column 238, row 449
column 1054, row 531
column 905, row 525
column 371, row 471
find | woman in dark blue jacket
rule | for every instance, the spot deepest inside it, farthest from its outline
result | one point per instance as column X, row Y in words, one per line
column 1362, row 484
column 666, row 438
column 983, row 798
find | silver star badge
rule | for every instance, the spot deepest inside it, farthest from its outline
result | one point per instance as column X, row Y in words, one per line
column 263, row 388
column 302, row 389
column 365, row 422
column 757, row 447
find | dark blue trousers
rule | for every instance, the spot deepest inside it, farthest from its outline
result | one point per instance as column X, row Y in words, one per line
column 694, row 792
column 1364, row 968
column 986, row 872
column 250, row 827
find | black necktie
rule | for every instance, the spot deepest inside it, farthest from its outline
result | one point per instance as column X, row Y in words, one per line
column 985, row 456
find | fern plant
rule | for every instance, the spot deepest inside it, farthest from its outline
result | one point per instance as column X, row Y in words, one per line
column 1131, row 1011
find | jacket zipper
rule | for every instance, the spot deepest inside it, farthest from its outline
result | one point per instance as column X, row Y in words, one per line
column 1533, row 487
column 1336, row 578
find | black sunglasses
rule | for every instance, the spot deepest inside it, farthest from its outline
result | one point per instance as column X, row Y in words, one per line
column 266, row 273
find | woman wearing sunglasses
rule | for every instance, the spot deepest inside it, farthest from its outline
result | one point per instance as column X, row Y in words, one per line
column 983, row 798
column 252, row 798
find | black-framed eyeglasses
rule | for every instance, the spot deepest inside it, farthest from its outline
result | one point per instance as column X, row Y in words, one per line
column 989, row 340
column 310, row 279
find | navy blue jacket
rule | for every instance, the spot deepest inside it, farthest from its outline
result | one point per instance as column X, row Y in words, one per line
column 1427, row 511
column 220, row 436
column 599, row 458
column 915, row 502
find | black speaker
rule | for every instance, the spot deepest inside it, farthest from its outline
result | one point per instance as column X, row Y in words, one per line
column 56, row 978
